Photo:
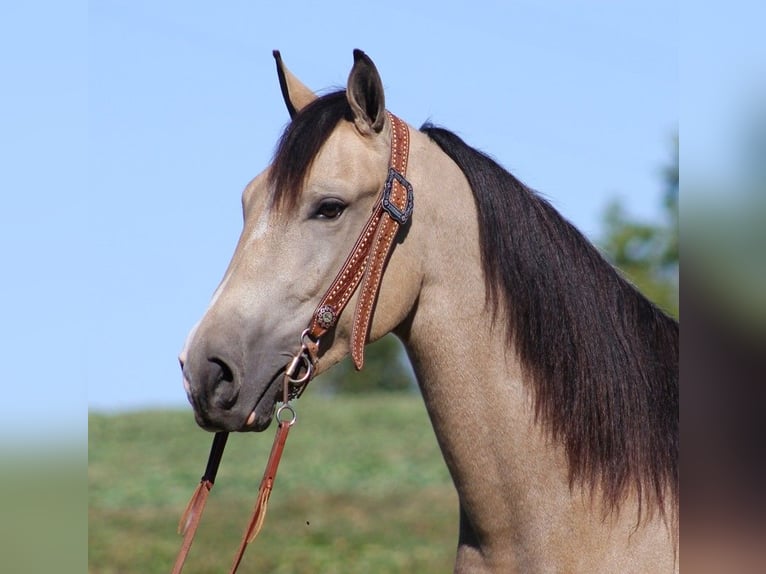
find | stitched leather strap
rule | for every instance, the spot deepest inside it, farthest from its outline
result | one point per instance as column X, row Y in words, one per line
column 369, row 256
column 264, row 492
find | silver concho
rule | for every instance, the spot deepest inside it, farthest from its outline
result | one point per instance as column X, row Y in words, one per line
column 326, row 316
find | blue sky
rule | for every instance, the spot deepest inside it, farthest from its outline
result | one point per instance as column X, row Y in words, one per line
column 133, row 127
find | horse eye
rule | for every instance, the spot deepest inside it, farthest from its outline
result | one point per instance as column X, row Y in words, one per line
column 330, row 209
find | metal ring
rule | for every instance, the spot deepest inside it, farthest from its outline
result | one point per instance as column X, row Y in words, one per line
column 293, row 416
column 304, row 335
column 309, row 371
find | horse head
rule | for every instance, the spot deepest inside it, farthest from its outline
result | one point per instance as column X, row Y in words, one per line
column 302, row 215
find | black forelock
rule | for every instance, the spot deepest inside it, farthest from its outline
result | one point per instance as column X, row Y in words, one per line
column 300, row 143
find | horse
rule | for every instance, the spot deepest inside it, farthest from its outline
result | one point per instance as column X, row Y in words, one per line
column 551, row 383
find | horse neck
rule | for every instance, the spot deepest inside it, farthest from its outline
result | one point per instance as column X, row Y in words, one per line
column 480, row 407
column 517, row 503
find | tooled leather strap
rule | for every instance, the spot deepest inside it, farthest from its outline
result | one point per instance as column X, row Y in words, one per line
column 267, row 483
column 369, row 255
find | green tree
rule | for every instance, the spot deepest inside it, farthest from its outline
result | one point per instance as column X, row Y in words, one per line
column 647, row 253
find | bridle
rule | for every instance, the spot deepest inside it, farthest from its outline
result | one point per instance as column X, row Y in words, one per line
column 364, row 265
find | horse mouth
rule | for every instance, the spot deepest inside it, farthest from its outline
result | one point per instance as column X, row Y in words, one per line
column 262, row 413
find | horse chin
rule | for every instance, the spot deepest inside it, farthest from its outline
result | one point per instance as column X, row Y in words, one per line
column 262, row 415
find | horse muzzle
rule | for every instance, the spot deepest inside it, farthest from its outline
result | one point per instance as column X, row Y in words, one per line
column 220, row 401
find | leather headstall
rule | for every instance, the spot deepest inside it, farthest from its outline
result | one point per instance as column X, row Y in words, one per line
column 369, row 255
column 364, row 265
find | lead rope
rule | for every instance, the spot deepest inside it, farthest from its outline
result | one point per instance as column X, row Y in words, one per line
column 293, row 385
column 264, row 492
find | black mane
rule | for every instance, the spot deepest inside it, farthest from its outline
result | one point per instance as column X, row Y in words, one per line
column 603, row 358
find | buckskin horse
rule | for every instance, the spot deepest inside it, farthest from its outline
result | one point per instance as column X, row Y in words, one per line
column 550, row 381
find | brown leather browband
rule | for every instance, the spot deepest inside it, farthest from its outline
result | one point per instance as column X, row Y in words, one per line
column 365, row 264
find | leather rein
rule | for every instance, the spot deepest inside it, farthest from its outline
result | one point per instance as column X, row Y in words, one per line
column 364, row 265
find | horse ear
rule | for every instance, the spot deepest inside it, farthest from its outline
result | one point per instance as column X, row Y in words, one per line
column 295, row 93
column 365, row 95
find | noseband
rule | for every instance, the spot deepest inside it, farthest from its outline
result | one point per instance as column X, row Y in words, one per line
column 364, row 265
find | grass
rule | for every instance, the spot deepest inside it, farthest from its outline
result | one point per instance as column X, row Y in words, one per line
column 361, row 488
column 42, row 504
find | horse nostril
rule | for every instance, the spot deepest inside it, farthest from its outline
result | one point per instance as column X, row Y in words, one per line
column 225, row 390
column 225, row 374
